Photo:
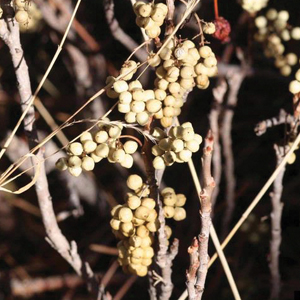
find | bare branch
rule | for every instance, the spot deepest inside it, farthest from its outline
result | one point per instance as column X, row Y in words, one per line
column 55, row 237
column 170, row 17
column 198, row 251
column 234, row 81
column 57, row 21
column 283, row 117
column 30, row 287
column 276, row 214
column 192, row 272
column 218, row 92
column 165, row 258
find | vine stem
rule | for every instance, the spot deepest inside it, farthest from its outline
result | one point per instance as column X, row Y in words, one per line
column 131, row 137
column 216, row 9
column 200, row 30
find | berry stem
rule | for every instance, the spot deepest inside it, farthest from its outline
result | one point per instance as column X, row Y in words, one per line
column 216, row 9
column 131, row 137
column 200, row 29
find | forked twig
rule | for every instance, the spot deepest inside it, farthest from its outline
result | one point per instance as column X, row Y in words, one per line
column 214, row 237
column 196, row 275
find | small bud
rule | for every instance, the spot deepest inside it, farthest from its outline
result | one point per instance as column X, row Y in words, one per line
column 115, row 131
column 146, row 242
column 135, row 241
column 145, row 10
column 168, row 231
column 127, row 227
column 153, row 106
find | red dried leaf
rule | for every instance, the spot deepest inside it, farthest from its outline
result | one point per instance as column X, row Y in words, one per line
column 223, row 30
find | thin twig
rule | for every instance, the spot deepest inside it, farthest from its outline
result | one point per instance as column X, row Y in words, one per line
column 283, row 117
column 125, row 287
column 213, row 235
column 234, row 81
column 258, row 197
column 30, row 287
column 218, row 92
column 82, row 32
column 107, row 277
column 104, row 249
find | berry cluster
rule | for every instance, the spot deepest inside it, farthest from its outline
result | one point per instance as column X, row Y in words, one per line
column 91, row 149
column 273, row 31
column 253, row 6
column 137, row 104
column 177, row 147
column 134, row 223
column 150, row 16
column 179, row 67
column 173, row 204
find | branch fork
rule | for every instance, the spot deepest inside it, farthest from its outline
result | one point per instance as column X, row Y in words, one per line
column 198, row 251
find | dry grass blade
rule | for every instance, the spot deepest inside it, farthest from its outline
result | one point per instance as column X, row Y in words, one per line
column 257, row 198
column 31, row 100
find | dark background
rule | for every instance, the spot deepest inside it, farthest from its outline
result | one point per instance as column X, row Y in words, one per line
column 261, row 96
